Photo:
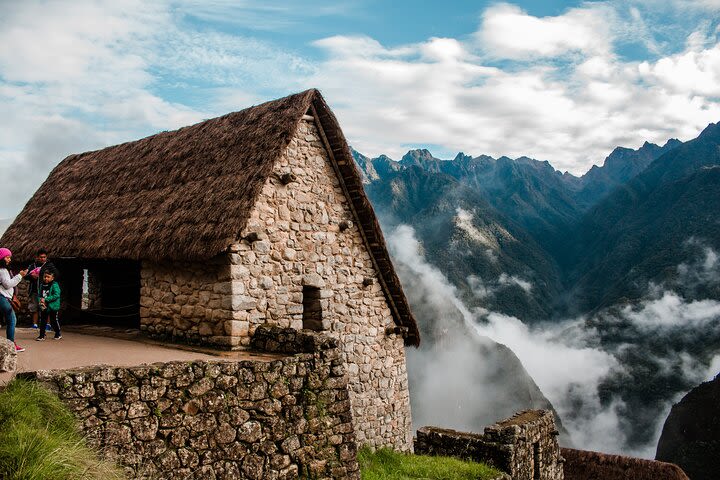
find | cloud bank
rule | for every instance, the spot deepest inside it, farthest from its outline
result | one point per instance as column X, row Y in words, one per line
column 555, row 88
column 594, row 370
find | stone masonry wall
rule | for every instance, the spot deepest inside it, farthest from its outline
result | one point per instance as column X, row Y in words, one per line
column 189, row 302
column 524, row 446
column 285, row 417
column 294, row 239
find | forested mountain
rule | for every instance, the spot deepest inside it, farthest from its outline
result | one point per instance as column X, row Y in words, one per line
column 475, row 244
column 522, row 238
column 639, row 233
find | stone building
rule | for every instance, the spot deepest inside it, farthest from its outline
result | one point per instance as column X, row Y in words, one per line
column 202, row 234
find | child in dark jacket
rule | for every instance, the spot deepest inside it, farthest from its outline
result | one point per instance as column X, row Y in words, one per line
column 49, row 301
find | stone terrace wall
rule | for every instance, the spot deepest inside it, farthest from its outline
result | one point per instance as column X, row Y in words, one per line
column 298, row 242
column 262, row 419
column 190, row 303
column 585, row 465
column 524, row 446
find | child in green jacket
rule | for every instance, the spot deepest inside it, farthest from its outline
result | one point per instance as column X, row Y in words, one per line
column 49, row 301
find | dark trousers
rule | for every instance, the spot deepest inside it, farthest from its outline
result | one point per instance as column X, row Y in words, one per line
column 46, row 315
column 9, row 314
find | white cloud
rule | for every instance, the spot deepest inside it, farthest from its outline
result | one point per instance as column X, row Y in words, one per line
column 671, row 310
column 572, row 115
column 82, row 75
column 280, row 15
column 510, row 280
column 569, row 368
column 114, row 66
column 682, row 5
column 714, row 368
column 507, row 31
column 693, row 72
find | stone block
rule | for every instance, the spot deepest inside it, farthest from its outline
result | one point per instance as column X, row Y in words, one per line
column 8, row 356
column 205, row 329
column 313, row 280
column 237, row 328
column 243, row 302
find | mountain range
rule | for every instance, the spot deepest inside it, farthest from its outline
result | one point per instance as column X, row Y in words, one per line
column 541, row 244
column 518, row 237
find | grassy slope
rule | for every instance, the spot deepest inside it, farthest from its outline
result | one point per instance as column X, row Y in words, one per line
column 39, row 439
column 385, row 464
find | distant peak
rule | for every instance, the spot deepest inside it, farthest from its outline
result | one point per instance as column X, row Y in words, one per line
column 420, row 153
column 712, row 130
column 672, row 143
column 462, row 157
column 413, row 157
column 357, row 155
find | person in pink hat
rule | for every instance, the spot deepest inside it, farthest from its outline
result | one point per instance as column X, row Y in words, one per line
column 8, row 282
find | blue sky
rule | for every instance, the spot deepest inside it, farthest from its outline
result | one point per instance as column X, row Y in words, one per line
column 554, row 80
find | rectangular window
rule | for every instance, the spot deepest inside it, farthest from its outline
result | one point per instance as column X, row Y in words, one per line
column 536, row 460
column 312, row 309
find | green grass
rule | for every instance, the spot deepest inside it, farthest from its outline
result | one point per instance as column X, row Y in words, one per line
column 385, row 464
column 39, row 439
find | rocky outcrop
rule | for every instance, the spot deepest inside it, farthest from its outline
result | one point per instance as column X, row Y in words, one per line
column 8, row 356
column 691, row 434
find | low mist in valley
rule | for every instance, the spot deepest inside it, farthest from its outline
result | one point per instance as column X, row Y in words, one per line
column 612, row 376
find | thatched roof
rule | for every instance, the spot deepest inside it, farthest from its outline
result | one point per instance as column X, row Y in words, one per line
column 585, row 465
column 187, row 194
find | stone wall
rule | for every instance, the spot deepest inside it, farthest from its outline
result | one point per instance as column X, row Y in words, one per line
column 24, row 315
column 189, row 302
column 272, row 418
column 585, row 465
column 524, row 446
column 295, row 240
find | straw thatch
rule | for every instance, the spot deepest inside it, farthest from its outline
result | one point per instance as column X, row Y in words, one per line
column 585, row 465
column 187, row 194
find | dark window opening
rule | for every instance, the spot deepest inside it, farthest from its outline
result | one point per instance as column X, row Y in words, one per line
column 312, row 309
column 536, row 460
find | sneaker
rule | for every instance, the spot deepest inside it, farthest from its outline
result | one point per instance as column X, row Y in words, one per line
column 19, row 349
column 35, row 325
column 40, row 339
column 57, row 337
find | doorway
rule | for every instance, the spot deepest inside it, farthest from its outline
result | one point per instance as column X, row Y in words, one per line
column 100, row 292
